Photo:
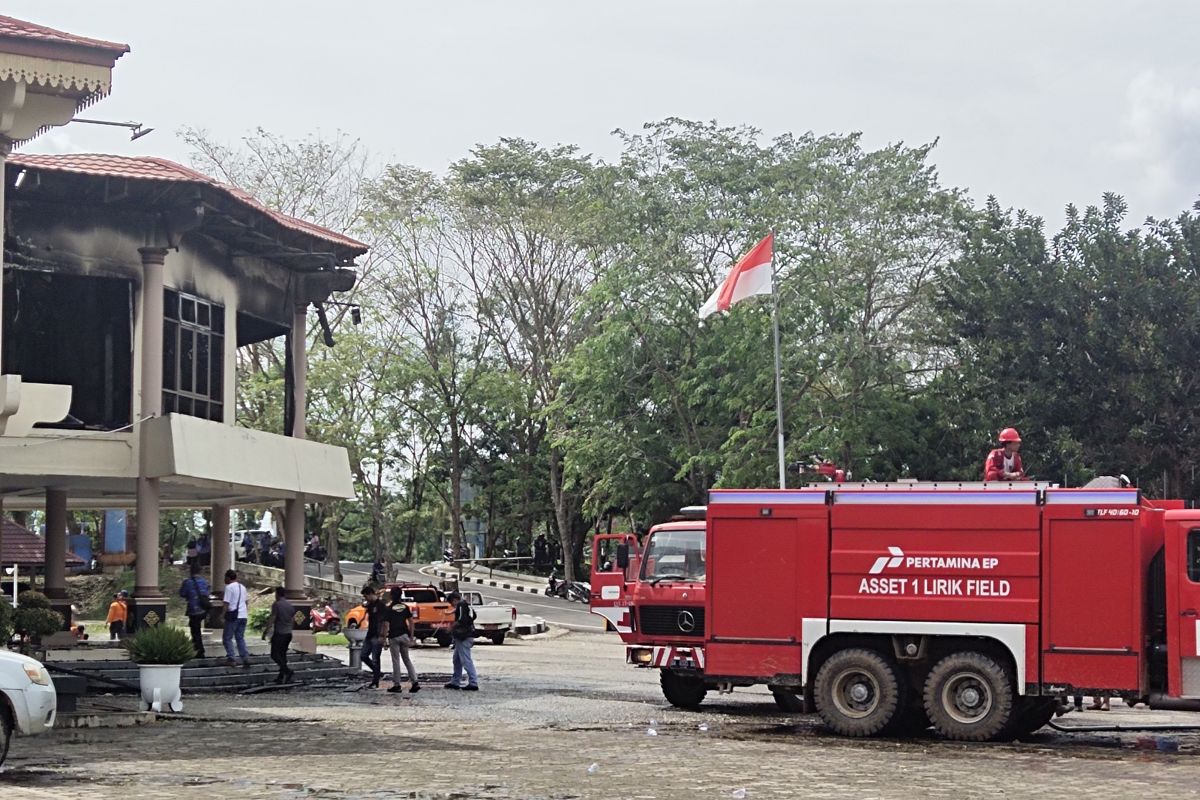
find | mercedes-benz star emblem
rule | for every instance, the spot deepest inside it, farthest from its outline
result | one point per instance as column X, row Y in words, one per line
column 685, row 621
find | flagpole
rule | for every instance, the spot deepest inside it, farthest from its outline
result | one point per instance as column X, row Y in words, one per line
column 778, row 371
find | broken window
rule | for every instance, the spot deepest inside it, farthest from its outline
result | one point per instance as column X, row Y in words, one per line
column 193, row 356
column 75, row 330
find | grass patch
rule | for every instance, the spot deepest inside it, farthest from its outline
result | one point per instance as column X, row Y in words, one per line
column 331, row 639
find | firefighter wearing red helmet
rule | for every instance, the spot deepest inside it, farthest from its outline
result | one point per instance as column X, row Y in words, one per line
column 1004, row 463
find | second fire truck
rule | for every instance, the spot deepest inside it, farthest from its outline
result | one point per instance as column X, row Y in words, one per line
column 893, row 607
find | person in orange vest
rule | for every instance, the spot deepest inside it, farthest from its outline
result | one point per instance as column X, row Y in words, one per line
column 1004, row 463
column 118, row 615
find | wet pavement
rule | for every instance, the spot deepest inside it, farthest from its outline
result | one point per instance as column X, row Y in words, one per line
column 566, row 718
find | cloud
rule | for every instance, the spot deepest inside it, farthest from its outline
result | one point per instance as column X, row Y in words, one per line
column 1161, row 139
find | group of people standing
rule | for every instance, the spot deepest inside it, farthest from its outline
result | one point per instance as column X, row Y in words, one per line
column 391, row 623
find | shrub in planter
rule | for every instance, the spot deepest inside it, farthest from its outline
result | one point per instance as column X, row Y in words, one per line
column 34, row 617
column 161, row 644
column 160, row 653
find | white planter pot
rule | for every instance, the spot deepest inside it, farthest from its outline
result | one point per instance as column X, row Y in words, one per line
column 358, row 635
column 160, row 687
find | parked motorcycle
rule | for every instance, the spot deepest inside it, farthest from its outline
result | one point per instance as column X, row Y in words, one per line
column 323, row 619
column 577, row 591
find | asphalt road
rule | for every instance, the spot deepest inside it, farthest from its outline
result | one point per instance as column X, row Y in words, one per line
column 553, row 610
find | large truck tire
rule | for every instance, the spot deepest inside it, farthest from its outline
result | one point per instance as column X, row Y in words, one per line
column 858, row 692
column 443, row 637
column 682, row 691
column 969, row 698
column 788, row 701
column 498, row 637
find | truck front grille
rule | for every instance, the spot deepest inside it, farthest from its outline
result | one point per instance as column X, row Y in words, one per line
column 671, row 620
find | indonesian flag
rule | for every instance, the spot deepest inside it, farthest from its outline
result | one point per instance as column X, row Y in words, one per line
column 751, row 275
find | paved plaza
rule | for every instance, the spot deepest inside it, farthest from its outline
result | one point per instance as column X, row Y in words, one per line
column 564, row 717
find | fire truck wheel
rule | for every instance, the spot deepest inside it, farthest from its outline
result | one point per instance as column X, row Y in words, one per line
column 857, row 692
column 969, row 697
column 682, row 691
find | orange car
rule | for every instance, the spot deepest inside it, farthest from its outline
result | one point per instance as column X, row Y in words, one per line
column 355, row 617
column 432, row 615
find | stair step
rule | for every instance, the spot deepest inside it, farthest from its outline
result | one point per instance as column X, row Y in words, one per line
column 211, row 673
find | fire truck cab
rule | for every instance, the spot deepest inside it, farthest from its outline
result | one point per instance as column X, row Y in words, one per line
column 974, row 608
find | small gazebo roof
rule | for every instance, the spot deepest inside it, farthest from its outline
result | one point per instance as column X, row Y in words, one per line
column 25, row 549
column 21, row 31
column 55, row 74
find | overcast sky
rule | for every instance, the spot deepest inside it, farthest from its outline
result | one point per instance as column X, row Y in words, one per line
column 1040, row 103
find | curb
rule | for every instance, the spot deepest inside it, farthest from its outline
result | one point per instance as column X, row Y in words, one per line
column 488, row 582
column 576, row 628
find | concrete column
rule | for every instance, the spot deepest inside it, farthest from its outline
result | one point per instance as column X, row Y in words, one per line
column 5, row 149
column 222, row 559
column 146, row 591
column 299, row 369
column 293, row 557
column 56, row 544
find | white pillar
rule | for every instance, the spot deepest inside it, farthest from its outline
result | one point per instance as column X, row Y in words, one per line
column 293, row 557
column 221, row 558
column 56, row 544
column 150, row 405
column 5, row 148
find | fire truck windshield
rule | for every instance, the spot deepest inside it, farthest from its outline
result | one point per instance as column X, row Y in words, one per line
column 674, row 556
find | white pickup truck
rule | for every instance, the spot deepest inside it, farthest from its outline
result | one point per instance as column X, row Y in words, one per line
column 27, row 698
column 492, row 620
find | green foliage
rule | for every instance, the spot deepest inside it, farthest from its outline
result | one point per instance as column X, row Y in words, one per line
column 6, row 622
column 32, row 599
column 161, row 644
column 257, row 620
column 34, row 617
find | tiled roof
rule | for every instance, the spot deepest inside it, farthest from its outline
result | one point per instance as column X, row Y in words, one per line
column 160, row 169
column 20, row 29
column 19, row 546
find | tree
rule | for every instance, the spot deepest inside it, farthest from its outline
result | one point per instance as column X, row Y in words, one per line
column 435, row 319
column 524, row 212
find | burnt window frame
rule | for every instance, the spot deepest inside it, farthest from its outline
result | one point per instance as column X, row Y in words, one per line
column 193, row 325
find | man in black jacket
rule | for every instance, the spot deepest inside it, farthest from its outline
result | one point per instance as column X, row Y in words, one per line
column 373, row 644
column 463, row 634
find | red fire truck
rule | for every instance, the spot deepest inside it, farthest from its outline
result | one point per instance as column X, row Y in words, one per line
column 974, row 608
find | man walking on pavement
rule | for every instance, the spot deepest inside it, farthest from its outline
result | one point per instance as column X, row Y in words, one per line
column 398, row 633
column 195, row 591
column 373, row 645
column 236, row 614
column 279, row 624
column 463, row 635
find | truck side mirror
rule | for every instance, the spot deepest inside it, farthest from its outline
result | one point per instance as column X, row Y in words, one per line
column 622, row 556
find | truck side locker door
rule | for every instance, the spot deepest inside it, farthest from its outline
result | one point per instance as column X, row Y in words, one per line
column 1182, row 556
column 610, row 591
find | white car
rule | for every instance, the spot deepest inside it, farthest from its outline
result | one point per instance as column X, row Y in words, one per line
column 27, row 698
column 492, row 621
